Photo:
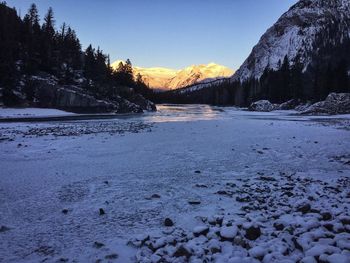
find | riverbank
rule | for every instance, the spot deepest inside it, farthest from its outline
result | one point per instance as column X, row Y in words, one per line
column 56, row 179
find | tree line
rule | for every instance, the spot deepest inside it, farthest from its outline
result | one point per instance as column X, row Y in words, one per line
column 29, row 47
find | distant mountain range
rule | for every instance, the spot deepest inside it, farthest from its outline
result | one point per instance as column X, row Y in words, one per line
column 170, row 79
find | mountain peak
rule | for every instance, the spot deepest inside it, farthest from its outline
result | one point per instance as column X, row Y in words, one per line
column 294, row 36
column 168, row 79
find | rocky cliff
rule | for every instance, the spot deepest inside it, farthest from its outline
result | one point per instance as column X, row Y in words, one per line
column 295, row 34
column 46, row 92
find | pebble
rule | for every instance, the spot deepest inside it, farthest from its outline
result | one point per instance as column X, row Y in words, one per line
column 274, row 228
column 101, row 211
column 168, row 222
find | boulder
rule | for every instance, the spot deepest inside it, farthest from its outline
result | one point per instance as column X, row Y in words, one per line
column 125, row 106
column 48, row 94
column 45, row 91
column 70, row 98
column 302, row 107
column 253, row 232
column 335, row 103
column 262, row 105
column 145, row 104
column 288, row 105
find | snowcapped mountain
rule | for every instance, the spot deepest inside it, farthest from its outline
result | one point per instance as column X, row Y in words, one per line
column 169, row 79
column 295, row 34
column 198, row 73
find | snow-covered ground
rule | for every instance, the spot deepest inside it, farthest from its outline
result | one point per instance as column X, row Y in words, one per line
column 238, row 186
column 31, row 112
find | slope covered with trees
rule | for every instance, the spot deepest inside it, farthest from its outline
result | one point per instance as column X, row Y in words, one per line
column 31, row 50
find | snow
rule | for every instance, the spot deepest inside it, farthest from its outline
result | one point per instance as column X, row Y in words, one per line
column 170, row 79
column 257, row 252
column 31, row 112
column 293, row 35
column 228, row 232
column 118, row 164
column 338, row 258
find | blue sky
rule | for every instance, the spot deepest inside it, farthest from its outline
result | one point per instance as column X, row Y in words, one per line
column 167, row 33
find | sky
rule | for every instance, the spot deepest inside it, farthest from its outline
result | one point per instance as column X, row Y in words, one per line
column 167, row 33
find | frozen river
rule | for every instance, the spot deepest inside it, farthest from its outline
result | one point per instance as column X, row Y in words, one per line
column 55, row 176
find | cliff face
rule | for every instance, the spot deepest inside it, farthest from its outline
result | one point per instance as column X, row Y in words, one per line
column 46, row 92
column 294, row 36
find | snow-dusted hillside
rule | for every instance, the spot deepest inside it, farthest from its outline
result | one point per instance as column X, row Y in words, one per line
column 169, row 79
column 294, row 35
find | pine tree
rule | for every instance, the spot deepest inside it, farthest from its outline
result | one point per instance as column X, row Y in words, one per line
column 48, row 54
column 89, row 62
column 31, row 35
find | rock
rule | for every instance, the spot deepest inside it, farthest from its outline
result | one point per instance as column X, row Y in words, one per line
column 288, row 193
column 345, row 220
column 201, row 186
column 49, row 94
column 278, row 226
column 303, row 107
column 329, row 227
column 261, row 105
column 239, row 241
column 111, row 256
column 243, row 199
column 4, row 229
column 214, row 246
column 102, row 212
column 98, row 244
column 155, row 258
column 338, row 258
column 194, row 202
column 253, row 232
column 319, row 249
column 326, row 216
column 182, row 252
column 289, row 105
column 257, row 252
column 304, row 208
column 223, row 192
column 65, row 211
column 215, row 220
column 168, row 222
column 200, row 230
column 335, row 103
column 145, row 104
column 267, row 178
column 308, row 259
column 228, row 232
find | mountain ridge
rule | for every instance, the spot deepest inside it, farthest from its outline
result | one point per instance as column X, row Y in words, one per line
column 293, row 36
column 170, row 79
